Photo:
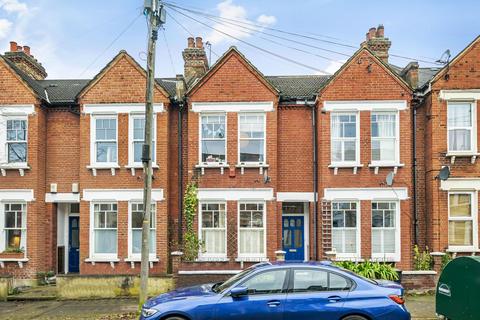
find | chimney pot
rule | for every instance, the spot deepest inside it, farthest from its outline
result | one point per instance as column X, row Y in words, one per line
column 367, row 36
column 199, row 42
column 26, row 49
column 191, row 42
column 13, row 46
column 19, row 48
column 372, row 32
column 381, row 31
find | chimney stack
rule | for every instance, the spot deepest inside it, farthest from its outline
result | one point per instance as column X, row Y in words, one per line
column 24, row 60
column 196, row 62
column 375, row 40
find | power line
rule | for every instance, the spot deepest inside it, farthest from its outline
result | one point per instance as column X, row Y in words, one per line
column 252, row 45
column 297, row 34
column 111, row 44
column 169, row 52
column 286, row 39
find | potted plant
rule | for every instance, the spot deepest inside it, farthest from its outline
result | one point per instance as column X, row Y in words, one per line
column 12, row 253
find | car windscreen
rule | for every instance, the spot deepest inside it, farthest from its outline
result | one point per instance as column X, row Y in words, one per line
column 232, row 280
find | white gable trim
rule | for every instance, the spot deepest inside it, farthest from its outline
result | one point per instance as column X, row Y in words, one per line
column 115, row 108
column 366, row 194
column 465, row 95
column 24, row 195
column 232, row 106
column 17, row 110
column 295, row 196
column 365, row 105
column 63, row 197
column 119, row 195
column 460, row 184
column 235, row 194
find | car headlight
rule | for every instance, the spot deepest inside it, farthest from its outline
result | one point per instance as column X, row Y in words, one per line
column 148, row 312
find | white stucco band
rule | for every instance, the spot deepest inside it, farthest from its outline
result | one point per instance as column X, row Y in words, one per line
column 365, row 105
column 295, row 196
column 23, row 195
column 235, row 194
column 62, row 197
column 232, row 106
column 366, row 194
column 460, row 184
column 465, row 95
column 119, row 195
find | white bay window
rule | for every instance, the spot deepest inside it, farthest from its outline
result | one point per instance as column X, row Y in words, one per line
column 13, row 227
column 213, row 231
column 213, row 138
column 251, row 136
column 345, row 231
column 462, row 223
column 344, row 138
column 135, row 232
column 104, row 229
column 384, row 132
column 385, row 230
column 461, row 128
column 252, row 232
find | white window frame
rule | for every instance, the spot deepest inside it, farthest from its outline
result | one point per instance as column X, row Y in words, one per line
column 206, row 255
column 473, row 128
column 474, row 219
column 356, row 255
column 395, row 257
column 3, row 229
column 200, row 138
column 100, row 256
column 137, row 256
column 396, row 161
column 264, row 115
column 250, row 255
column 131, row 150
column 12, row 118
column 93, row 141
column 356, row 162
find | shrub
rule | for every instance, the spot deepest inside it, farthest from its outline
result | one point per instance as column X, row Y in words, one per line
column 422, row 260
column 191, row 243
column 446, row 259
column 370, row 269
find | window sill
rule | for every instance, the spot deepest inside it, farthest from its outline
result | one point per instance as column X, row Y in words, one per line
column 212, row 259
column 251, row 259
column 212, row 165
column 108, row 166
column 463, row 249
column 394, row 165
column 252, row 165
column 21, row 167
column 19, row 261
column 134, row 166
column 139, row 259
column 336, row 166
column 454, row 155
column 386, row 258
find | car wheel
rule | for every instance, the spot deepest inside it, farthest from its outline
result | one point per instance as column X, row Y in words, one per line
column 355, row 317
column 175, row 318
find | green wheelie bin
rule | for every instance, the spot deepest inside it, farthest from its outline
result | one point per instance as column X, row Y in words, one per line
column 458, row 290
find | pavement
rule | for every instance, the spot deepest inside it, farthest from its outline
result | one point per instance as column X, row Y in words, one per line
column 421, row 307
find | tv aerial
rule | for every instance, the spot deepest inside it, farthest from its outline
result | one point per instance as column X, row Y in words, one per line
column 445, row 58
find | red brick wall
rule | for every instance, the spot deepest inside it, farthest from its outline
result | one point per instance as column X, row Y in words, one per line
column 356, row 82
column 462, row 74
column 15, row 91
column 123, row 82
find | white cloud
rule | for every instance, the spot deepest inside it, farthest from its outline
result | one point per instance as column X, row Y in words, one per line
column 333, row 66
column 228, row 10
column 265, row 20
column 5, row 27
column 14, row 6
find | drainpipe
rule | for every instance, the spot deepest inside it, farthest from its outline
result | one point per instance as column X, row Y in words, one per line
column 415, row 104
column 315, row 180
column 180, row 171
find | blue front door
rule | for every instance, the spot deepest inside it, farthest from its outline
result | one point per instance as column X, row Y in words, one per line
column 73, row 244
column 293, row 238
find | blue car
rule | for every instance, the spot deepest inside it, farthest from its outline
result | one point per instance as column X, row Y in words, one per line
column 284, row 291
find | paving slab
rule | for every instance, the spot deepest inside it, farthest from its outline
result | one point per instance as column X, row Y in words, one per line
column 421, row 306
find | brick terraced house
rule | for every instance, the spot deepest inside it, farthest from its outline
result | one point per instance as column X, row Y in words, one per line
column 297, row 164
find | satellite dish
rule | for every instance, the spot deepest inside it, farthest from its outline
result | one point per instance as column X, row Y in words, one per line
column 389, row 179
column 444, row 173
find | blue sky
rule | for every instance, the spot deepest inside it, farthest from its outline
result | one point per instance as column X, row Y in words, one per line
column 70, row 37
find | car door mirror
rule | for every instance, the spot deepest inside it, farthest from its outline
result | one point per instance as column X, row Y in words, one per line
column 239, row 292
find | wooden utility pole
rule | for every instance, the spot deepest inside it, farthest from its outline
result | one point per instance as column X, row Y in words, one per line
column 156, row 16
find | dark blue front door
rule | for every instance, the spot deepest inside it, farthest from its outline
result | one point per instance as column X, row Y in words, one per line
column 293, row 238
column 73, row 244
